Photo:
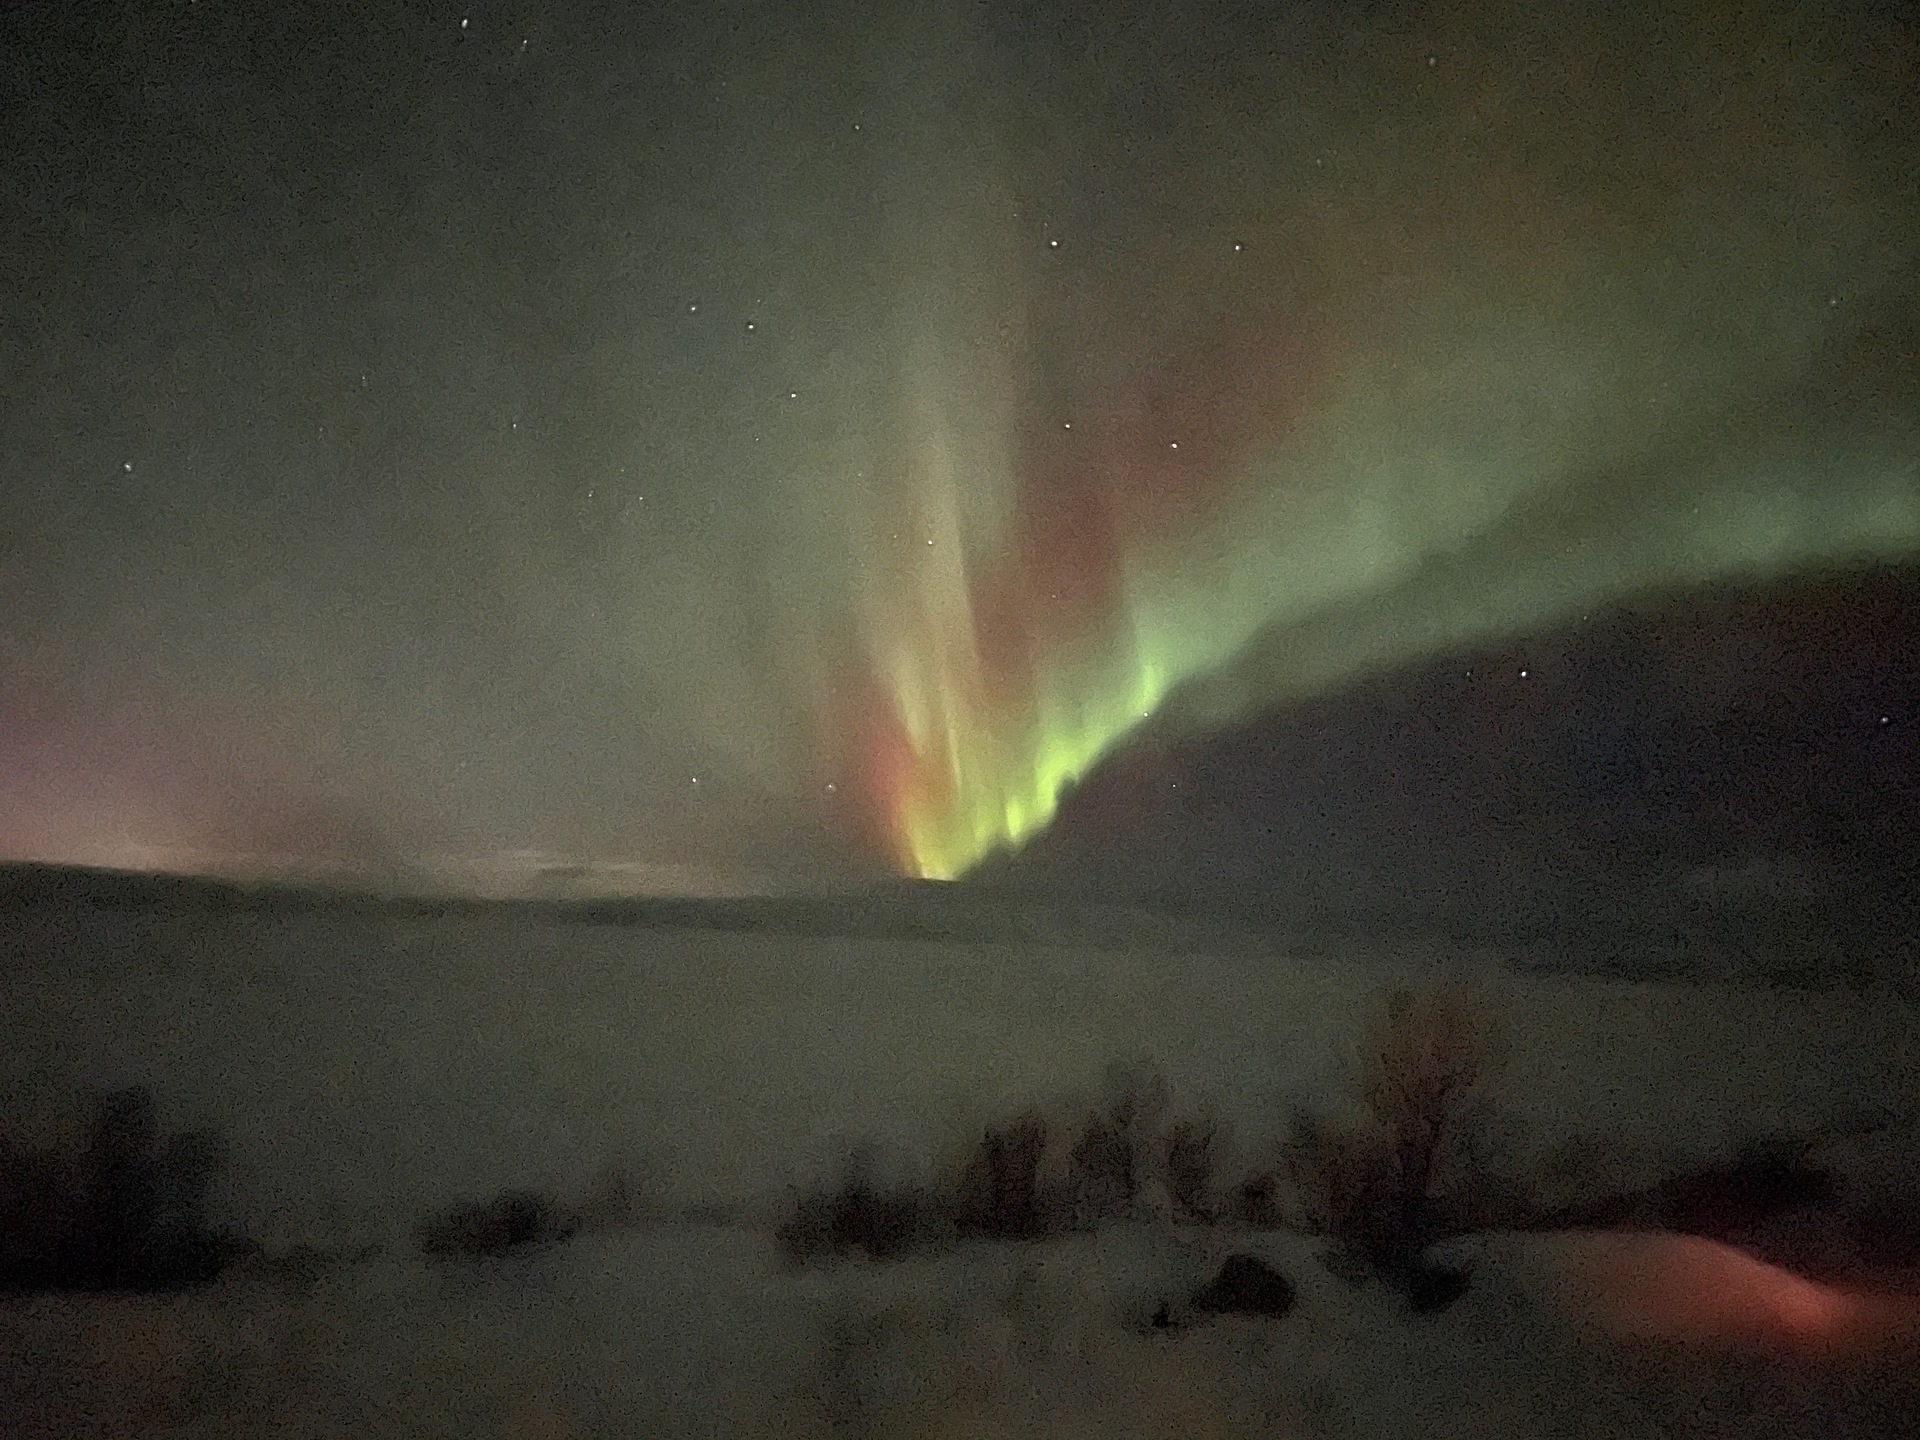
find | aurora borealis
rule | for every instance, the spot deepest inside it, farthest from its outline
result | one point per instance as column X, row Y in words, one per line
column 1467, row 389
column 805, row 439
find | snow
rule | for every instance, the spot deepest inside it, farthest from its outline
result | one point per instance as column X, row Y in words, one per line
column 369, row 1066
column 697, row 1332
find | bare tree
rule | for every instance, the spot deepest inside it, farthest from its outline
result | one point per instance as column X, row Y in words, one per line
column 1375, row 1188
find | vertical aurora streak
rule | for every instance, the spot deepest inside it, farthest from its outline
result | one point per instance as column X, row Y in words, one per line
column 1456, row 393
column 799, row 439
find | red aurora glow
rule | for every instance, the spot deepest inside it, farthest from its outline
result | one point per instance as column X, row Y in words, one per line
column 1001, row 680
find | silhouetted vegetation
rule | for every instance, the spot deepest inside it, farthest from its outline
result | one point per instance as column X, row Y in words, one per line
column 1767, row 1177
column 1189, row 1168
column 1374, row 1188
column 510, row 1220
column 516, row 1218
column 857, row 1214
column 1410, row 1170
column 1026, row 1178
column 1256, row 1202
column 122, row 1209
column 999, row 1194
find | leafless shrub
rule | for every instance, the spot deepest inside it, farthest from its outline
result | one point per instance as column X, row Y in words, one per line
column 999, row 1194
column 613, row 1200
column 1137, row 1154
column 510, row 1220
column 1101, row 1173
column 856, row 1213
column 1189, row 1167
column 1374, row 1188
column 1025, row 1178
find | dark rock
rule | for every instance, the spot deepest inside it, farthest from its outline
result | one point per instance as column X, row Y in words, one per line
column 1245, row 1286
column 1431, row 1290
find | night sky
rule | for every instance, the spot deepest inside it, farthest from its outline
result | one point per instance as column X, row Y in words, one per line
column 778, row 443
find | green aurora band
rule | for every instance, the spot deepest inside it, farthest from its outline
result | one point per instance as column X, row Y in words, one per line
column 1572, row 365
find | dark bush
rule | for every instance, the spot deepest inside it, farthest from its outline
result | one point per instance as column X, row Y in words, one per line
column 1189, row 1168
column 509, row 1221
column 1101, row 1171
column 855, row 1214
column 1257, row 1202
column 124, row 1211
column 1767, row 1178
column 998, row 1196
column 1887, row 1230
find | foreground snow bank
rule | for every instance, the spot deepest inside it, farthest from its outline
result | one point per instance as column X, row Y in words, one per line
column 699, row 1332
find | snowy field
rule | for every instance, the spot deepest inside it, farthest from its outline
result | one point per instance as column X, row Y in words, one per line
column 696, row 1332
column 370, row 1067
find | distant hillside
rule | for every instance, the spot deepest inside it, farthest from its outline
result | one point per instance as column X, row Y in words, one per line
column 1726, row 777
column 906, row 910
